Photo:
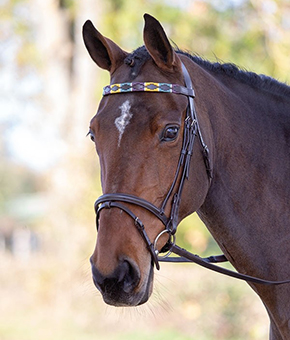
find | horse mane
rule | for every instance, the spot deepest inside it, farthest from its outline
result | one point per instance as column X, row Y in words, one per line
column 138, row 57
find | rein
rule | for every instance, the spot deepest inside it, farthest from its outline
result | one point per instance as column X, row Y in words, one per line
column 191, row 130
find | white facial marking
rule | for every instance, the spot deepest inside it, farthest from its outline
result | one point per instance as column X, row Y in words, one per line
column 122, row 121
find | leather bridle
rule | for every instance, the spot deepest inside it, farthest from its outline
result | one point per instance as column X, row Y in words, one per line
column 116, row 200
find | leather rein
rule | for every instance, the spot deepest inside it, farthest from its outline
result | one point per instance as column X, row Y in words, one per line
column 116, row 200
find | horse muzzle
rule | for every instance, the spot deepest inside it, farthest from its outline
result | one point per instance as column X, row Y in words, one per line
column 123, row 286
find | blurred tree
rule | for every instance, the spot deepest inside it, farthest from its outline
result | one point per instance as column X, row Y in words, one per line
column 49, row 44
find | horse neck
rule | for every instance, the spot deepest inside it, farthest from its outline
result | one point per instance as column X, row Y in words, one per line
column 247, row 207
column 250, row 190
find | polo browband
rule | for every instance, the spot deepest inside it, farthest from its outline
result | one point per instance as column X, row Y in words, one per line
column 147, row 87
column 190, row 131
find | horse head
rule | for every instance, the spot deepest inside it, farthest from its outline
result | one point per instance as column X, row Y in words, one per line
column 139, row 137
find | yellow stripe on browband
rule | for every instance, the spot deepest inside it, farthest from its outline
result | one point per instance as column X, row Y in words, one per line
column 116, row 90
column 147, row 84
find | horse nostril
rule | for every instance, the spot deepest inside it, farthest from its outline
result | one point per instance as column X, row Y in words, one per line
column 129, row 275
column 124, row 278
column 98, row 278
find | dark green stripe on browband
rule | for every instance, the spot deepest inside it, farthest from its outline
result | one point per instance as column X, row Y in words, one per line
column 148, row 87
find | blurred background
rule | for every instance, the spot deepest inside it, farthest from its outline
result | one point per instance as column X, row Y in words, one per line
column 49, row 173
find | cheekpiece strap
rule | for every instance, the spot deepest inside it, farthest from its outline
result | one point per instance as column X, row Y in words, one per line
column 148, row 87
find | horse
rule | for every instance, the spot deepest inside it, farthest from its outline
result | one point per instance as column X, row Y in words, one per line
column 177, row 134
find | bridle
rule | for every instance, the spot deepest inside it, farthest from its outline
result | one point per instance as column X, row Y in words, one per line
column 191, row 129
column 116, row 200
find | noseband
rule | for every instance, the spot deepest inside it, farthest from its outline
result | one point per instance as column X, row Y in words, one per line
column 190, row 131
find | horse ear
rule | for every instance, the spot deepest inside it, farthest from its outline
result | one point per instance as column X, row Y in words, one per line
column 158, row 45
column 105, row 53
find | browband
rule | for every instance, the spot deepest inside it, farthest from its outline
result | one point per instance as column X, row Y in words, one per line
column 148, row 87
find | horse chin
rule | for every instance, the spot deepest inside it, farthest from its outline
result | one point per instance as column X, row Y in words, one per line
column 123, row 299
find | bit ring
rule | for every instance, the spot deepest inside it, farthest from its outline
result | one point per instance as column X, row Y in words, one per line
column 172, row 242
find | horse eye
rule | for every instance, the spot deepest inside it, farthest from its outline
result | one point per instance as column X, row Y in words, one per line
column 92, row 137
column 170, row 133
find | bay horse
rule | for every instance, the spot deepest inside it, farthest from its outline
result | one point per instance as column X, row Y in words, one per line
column 177, row 134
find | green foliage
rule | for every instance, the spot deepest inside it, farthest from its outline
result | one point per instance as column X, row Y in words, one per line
column 247, row 33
